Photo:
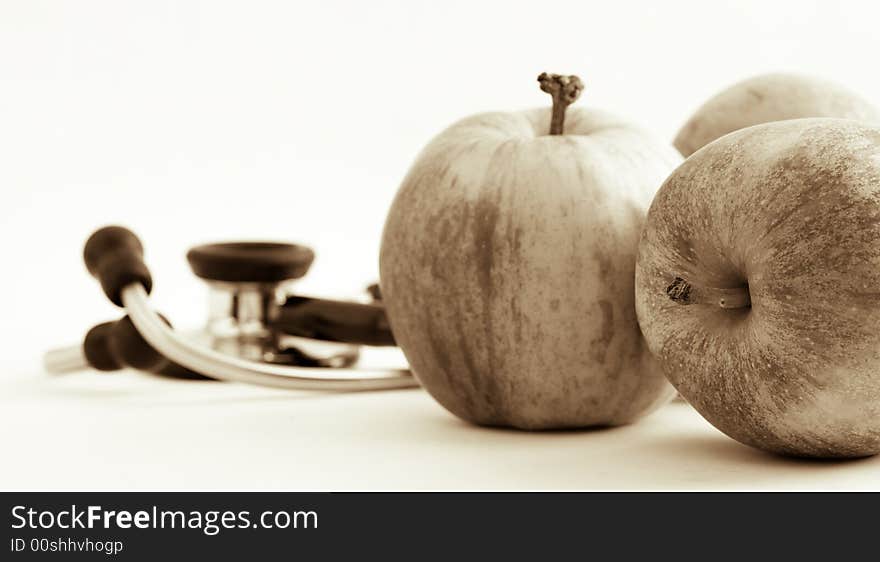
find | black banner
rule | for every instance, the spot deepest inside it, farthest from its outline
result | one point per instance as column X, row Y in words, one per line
column 135, row 526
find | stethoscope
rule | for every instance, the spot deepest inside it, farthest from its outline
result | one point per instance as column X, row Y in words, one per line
column 258, row 332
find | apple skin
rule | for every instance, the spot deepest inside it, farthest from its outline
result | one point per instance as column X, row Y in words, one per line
column 507, row 269
column 792, row 210
column 766, row 98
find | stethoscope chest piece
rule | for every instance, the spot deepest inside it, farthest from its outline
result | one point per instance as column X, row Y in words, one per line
column 248, row 284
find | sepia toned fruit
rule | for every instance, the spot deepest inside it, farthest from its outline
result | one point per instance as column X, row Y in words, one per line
column 766, row 98
column 507, row 266
column 758, row 285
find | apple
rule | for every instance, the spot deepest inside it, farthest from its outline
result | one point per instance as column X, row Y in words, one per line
column 766, row 98
column 758, row 285
column 507, row 266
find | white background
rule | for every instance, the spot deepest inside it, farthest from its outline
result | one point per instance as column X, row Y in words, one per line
column 199, row 121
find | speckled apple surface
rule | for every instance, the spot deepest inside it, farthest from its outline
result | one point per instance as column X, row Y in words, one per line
column 507, row 268
column 792, row 211
column 766, row 98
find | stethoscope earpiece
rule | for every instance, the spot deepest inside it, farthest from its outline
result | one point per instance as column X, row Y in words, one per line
column 113, row 346
column 98, row 350
column 115, row 257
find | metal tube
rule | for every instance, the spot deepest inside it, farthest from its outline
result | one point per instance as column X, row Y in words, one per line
column 217, row 365
column 65, row 360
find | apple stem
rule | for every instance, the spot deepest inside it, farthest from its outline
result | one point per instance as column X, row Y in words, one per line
column 564, row 90
column 683, row 292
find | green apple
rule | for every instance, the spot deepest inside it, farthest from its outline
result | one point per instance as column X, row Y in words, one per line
column 766, row 98
column 507, row 266
column 758, row 285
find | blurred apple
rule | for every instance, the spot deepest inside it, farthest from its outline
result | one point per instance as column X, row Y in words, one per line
column 507, row 266
column 766, row 98
column 758, row 285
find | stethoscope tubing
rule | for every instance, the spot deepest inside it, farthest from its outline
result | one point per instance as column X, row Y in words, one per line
column 233, row 369
column 224, row 367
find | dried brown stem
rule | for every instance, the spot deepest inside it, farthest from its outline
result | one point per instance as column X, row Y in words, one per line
column 683, row 292
column 564, row 90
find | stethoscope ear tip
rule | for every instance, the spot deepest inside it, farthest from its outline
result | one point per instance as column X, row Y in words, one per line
column 115, row 256
column 98, row 349
column 111, row 346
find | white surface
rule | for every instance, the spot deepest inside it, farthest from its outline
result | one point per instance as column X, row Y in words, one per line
column 135, row 431
column 197, row 121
